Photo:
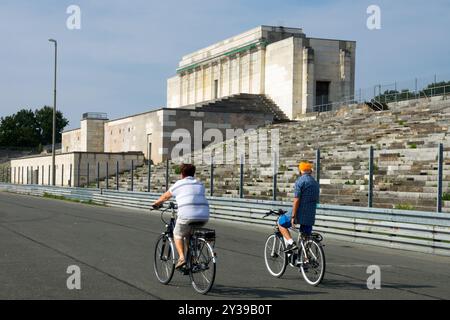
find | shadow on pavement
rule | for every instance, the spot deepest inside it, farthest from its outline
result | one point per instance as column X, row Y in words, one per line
column 257, row 292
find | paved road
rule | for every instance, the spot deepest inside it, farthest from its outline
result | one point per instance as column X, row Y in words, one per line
column 40, row 238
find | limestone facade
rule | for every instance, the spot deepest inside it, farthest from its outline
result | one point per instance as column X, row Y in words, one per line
column 68, row 166
column 295, row 71
column 155, row 133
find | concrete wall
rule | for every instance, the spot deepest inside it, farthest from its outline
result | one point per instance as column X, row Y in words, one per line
column 334, row 61
column 135, row 133
column 71, row 141
column 92, row 135
column 196, row 130
column 279, row 74
column 37, row 169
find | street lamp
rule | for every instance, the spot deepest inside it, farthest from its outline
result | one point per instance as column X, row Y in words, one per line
column 54, row 117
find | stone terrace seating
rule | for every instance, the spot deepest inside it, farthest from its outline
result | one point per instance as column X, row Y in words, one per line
column 405, row 139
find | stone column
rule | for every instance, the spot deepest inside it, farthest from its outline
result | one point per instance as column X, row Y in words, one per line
column 195, row 85
column 181, row 90
column 230, row 87
column 203, row 82
column 239, row 73
column 219, row 82
column 345, row 71
column 262, row 69
column 250, row 70
column 211, row 81
column 308, row 80
column 188, row 87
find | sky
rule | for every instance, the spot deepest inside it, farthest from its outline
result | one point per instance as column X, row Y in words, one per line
column 120, row 59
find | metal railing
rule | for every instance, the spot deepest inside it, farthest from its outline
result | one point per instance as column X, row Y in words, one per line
column 427, row 232
column 388, row 93
column 24, row 176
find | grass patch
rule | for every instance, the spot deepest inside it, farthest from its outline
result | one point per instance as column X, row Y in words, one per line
column 446, row 196
column 412, row 146
column 52, row 196
column 404, row 206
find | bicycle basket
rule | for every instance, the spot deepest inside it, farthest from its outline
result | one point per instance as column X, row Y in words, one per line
column 207, row 234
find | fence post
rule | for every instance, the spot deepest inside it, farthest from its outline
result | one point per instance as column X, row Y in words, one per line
column 370, row 195
column 275, row 176
column 241, row 178
column 149, row 174
column 87, row 182
column 167, row 174
column 132, row 175
column 440, row 170
column 70, row 176
column 107, row 175
column 98, row 175
column 78, row 169
column 117, row 175
column 149, row 169
column 31, row 175
column 211, row 178
column 62, row 175
column 318, row 166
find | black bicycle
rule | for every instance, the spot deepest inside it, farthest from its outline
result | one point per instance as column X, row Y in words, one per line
column 309, row 257
column 200, row 255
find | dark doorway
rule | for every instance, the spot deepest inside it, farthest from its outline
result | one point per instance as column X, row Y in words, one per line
column 322, row 92
column 216, row 89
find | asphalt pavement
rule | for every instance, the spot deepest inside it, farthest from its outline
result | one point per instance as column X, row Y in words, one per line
column 40, row 238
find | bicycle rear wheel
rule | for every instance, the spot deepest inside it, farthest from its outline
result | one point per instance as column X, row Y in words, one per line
column 313, row 265
column 164, row 259
column 202, row 266
column 274, row 255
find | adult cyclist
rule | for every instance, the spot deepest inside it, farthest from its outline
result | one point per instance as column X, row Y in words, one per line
column 303, row 212
column 193, row 208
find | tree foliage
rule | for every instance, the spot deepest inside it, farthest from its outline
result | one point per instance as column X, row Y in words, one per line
column 31, row 129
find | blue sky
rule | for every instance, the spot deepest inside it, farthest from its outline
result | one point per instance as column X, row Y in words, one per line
column 120, row 59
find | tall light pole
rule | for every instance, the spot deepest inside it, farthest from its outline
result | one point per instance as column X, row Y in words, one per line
column 54, row 116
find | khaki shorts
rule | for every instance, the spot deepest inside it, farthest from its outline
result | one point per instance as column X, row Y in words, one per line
column 183, row 228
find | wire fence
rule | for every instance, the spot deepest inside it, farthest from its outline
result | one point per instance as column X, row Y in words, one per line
column 410, row 179
column 417, row 88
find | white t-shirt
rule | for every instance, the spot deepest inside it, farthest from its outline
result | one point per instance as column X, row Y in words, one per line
column 190, row 196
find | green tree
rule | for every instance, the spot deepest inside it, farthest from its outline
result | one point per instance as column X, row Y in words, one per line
column 30, row 129
column 44, row 120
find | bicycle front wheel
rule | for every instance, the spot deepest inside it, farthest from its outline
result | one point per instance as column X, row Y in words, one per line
column 202, row 266
column 164, row 259
column 274, row 255
column 313, row 264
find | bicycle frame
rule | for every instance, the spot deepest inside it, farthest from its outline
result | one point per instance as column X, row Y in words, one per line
column 300, row 239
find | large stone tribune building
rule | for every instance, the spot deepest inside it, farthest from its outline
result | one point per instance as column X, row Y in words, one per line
column 265, row 75
column 295, row 71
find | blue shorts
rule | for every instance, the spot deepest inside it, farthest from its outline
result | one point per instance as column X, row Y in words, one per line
column 285, row 221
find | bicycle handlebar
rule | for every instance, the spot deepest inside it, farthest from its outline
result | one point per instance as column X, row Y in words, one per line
column 280, row 212
column 171, row 205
